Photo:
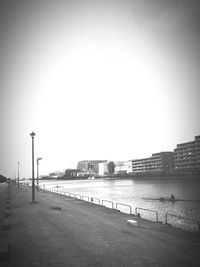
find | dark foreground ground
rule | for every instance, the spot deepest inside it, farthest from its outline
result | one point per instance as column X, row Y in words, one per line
column 61, row 231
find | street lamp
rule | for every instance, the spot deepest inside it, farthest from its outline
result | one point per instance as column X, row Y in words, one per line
column 33, row 182
column 18, row 176
column 38, row 173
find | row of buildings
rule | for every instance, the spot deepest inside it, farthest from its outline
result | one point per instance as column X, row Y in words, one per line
column 184, row 160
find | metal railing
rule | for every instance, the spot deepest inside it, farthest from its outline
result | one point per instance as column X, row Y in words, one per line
column 103, row 201
column 98, row 201
column 93, row 200
column 76, row 196
column 117, row 204
column 88, row 199
column 153, row 211
column 72, row 195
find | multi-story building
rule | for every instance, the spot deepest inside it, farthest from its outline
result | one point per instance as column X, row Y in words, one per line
column 122, row 167
column 56, row 174
column 103, row 168
column 187, row 156
column 90, row 165
column 184, row 160
column 158, row 162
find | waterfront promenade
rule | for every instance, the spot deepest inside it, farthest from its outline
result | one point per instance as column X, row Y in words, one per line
column 62, row 231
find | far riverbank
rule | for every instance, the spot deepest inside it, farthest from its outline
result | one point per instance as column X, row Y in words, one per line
column 127, row 176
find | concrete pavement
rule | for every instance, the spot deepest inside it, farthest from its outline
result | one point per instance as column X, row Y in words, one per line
column 61, row 231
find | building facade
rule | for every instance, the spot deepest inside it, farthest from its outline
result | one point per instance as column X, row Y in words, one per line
column 159, row 162
column 103, row 168
column 56, row 174
column 187, row 156
column 90, row 165
column 123, row 167
column 185, row 159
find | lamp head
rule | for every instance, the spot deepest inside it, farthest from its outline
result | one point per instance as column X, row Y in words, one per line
column 32, row 134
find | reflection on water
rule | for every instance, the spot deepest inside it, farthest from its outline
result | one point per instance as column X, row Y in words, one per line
column 141, row 193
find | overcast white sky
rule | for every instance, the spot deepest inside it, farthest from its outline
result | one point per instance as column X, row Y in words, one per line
column 113, row 80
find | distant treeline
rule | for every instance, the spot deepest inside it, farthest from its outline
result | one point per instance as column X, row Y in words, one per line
column 2, row 178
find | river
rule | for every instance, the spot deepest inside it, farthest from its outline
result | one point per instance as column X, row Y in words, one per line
column 141, row 193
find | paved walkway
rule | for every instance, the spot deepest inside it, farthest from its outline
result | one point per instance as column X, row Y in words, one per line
column 61, row 231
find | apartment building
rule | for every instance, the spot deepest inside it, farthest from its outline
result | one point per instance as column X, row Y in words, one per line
column 158, row 162
column 185, row 159
column 187, row 156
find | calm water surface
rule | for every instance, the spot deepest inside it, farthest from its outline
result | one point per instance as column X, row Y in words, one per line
column 142, row 194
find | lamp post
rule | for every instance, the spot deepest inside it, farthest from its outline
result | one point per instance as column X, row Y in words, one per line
column 33, row 179
column 18, row 176
column 38, row 173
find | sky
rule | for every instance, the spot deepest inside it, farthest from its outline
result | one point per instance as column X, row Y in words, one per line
column 109, row 79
